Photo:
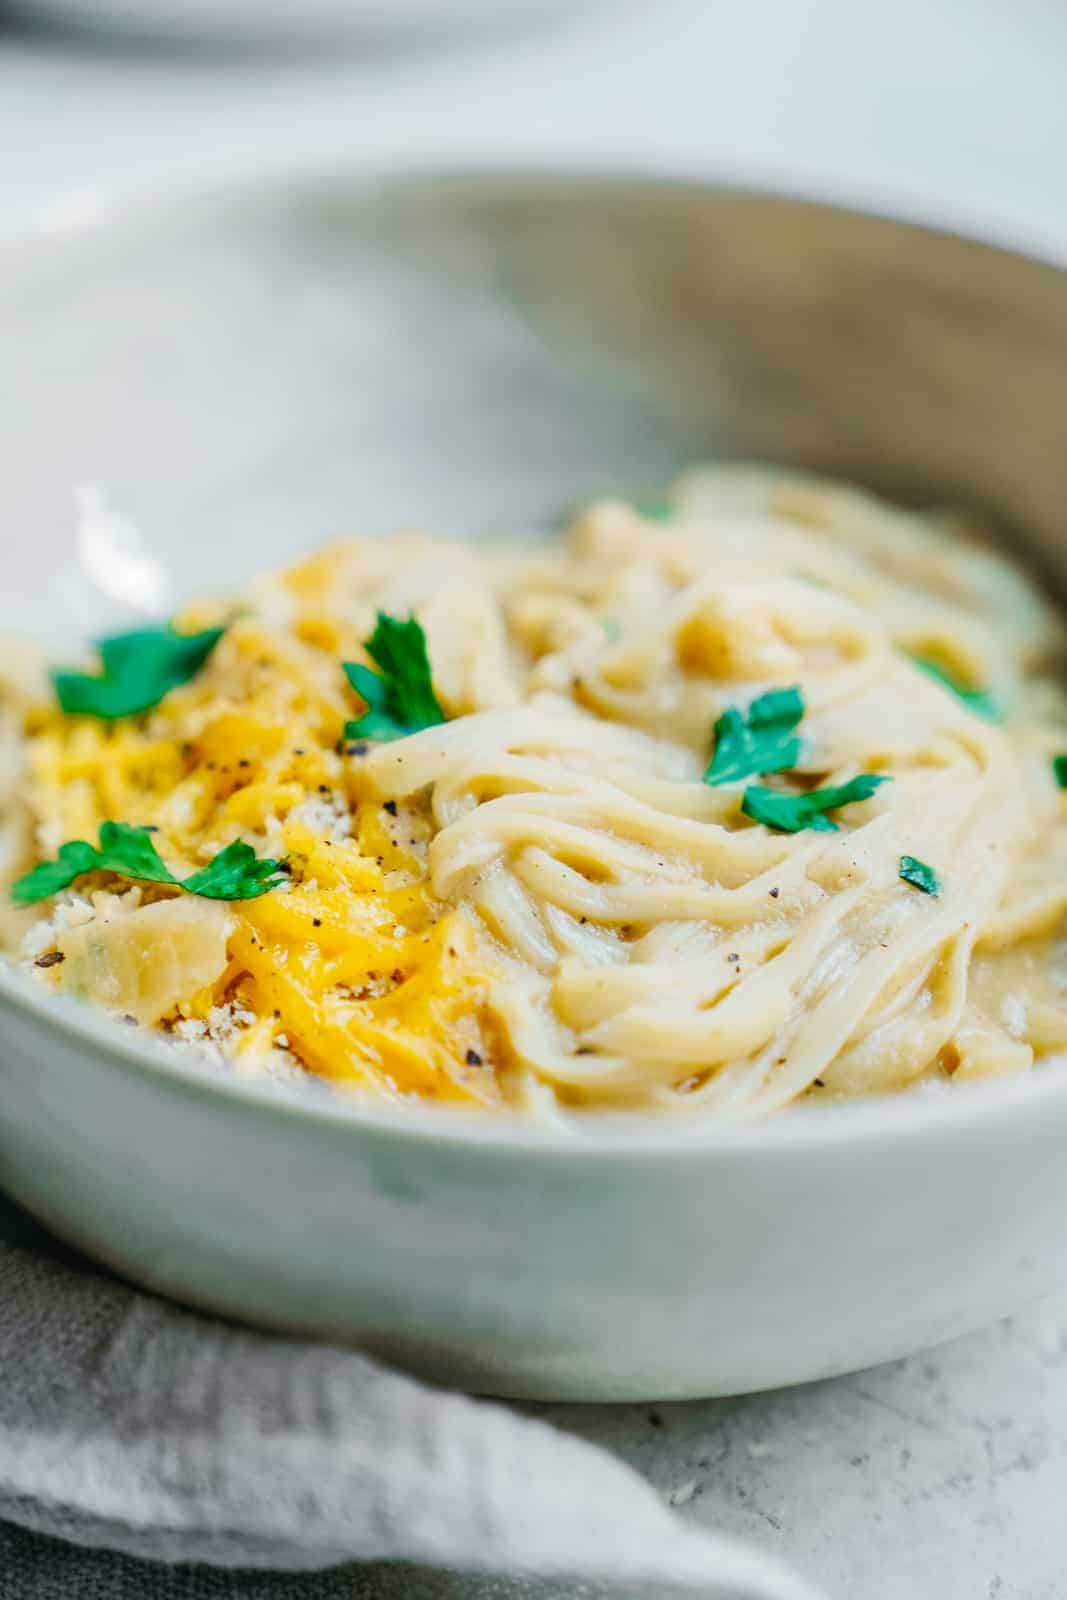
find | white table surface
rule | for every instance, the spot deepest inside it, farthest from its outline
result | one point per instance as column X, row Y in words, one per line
column 939, row 1478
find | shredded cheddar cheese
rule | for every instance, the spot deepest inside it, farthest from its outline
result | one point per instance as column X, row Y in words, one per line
column 367, row 978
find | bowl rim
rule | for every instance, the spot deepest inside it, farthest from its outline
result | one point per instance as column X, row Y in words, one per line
column 907, row 1115
column 88, row 214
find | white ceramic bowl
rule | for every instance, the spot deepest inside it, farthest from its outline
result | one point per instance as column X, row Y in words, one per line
column 253, row 371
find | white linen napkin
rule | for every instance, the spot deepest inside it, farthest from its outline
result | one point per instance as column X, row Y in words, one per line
column 130, row 1424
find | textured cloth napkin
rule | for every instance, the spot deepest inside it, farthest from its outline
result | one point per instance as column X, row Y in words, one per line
column 128, row 1425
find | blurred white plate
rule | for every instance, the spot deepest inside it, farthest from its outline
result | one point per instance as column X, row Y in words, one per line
column 278, row 21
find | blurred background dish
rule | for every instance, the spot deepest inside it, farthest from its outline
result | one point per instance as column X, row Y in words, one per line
column 280, row 22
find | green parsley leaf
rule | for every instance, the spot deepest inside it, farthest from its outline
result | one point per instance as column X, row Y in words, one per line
column 1059, row 769
column 790, row 813
column 762, row 741
column 400, row 697
column 916, row 872
column 49, row 877
column 130, row 851
column 980, row 701
column 138, row 669
column 656, row 508
column 236, row 873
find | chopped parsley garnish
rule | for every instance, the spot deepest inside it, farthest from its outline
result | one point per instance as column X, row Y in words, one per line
column 236, row 873
column 1059, row 770
column 137, row 670
column 656, row 508
column 400, row 697
column 980, row 701
column 916, row 872
column 760, row 741
column 791, row 813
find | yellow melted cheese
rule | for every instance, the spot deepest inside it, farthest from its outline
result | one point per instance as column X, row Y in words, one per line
column 356, row 966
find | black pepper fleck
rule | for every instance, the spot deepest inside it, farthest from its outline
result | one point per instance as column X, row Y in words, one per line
column 51, row 958
column 390, row 806
column 473, row 1058
column 774, row 893
column 316, row 922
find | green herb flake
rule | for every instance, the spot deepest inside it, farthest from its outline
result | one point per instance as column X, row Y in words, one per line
column 791, row 813
column 1059, row 770
column 49, row 877
column 400, row 696
column 137, row 670
column 236, row 873
column 656, row 508
column 916, row 872
column 981, row 701
column 760, row 741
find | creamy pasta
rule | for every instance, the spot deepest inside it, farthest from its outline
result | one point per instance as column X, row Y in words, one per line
column 710, row 806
